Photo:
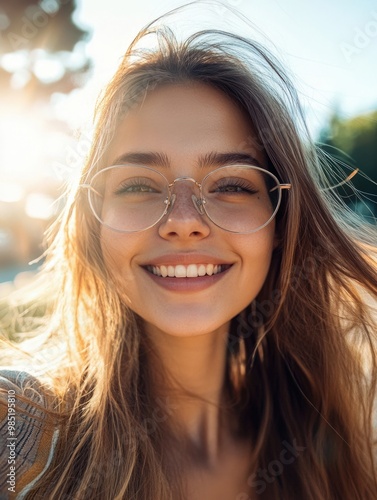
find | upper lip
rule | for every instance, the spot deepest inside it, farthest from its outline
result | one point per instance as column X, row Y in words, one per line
column 185, row 259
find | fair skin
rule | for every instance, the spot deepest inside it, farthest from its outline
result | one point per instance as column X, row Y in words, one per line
column 188, row 324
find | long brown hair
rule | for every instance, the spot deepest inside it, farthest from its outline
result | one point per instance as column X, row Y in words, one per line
column 306, row 345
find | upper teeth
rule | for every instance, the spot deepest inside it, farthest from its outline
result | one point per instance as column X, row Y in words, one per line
column 180, row 271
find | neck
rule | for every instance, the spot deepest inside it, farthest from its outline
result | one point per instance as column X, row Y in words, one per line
column 193, row 381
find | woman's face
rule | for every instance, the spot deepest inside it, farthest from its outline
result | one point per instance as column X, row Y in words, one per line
column 175, row 128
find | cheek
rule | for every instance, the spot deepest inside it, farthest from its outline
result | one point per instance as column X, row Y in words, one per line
column 256, row 255
column 118, row 250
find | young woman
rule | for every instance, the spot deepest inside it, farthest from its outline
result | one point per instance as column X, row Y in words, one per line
column 212, row 333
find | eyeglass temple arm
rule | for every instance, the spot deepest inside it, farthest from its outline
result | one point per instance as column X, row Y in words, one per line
column 347, row 179
column 281, row 186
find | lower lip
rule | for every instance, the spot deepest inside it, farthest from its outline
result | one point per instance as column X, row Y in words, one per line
column 187, row 284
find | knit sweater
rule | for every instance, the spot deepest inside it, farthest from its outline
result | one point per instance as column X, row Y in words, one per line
column 27, row 436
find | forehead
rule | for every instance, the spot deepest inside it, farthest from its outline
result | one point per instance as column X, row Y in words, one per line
column 184, row 121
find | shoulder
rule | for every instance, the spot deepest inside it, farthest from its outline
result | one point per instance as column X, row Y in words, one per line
column 28, row 435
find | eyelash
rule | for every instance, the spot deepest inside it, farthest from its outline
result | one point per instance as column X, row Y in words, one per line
column 141, row 184
column 236, row 183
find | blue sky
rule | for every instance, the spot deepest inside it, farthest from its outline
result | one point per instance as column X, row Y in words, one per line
column 330, row 46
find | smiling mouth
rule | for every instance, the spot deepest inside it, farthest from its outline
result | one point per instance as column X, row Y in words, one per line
column 190, row 271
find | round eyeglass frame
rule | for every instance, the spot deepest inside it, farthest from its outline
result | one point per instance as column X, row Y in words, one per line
column 199, row 203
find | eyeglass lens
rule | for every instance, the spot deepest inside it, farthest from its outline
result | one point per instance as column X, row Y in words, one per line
column 237, row 198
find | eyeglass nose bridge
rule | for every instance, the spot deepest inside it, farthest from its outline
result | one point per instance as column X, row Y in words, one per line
column 198, row 202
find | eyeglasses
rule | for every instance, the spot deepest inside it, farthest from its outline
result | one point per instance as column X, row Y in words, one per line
column 237, row 198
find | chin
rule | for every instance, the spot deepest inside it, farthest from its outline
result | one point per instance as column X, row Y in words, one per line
column 186, row 327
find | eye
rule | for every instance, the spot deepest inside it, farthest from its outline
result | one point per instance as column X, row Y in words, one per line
column 136, row 186
column 234, row 185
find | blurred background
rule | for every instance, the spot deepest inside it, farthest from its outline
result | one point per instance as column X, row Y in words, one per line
column 56, row 55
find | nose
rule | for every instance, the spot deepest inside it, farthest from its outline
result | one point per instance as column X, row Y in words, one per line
column 184, row 220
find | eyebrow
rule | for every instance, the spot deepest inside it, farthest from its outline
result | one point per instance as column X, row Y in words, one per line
column 208, row 160
column 228, row 158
